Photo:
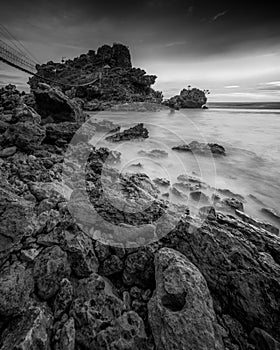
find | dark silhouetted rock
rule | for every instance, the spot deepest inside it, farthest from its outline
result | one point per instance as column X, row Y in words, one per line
column 136, row 132
column 202, row 148
column 161, row 181
column 56, row 107
column 155, row 153
column 112, row 80
column 191, row 98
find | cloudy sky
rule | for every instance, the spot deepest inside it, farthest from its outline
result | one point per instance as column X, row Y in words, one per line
column 231, row 48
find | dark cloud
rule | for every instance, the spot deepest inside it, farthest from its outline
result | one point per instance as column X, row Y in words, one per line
column 209, row 27
column 173, row 31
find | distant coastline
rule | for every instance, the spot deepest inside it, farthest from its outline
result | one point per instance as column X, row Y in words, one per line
column 245, row 105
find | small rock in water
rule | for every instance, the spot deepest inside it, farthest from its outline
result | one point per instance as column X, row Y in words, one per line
column 137, row 165
column 199, row 196
column 229, row 193
column 162, row 181
column 272, row 213
column 136, row 132
column 178, row 193
column 201, row 148
column 155, row 153
column 234, row 203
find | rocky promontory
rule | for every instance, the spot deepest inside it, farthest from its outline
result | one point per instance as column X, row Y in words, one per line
column 114, row 80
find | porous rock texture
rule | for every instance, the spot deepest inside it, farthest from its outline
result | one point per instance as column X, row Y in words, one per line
column 181, row 310
column 210, row 282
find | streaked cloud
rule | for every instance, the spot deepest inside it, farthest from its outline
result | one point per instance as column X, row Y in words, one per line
column 220, row 14
column 269, row 86
column 232, row 86
column 175, row 43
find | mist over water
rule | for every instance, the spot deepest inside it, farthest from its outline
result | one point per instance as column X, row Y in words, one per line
column 250, row 137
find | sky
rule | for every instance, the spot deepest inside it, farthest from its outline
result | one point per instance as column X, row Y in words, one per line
column 231, row 48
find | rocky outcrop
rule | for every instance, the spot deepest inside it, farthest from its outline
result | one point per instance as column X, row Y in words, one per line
column 56, row 107
column 110, row 72
column 136, row 132
column 164, row 279
column 181, row 310
column 188, row 98
column 202, row 148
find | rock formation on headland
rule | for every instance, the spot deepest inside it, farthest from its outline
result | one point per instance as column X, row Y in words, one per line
column 114, row 79
column 188, row 98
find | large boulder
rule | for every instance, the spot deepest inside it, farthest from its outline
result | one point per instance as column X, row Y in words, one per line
column 181, row 310
column 241, row 264
column 202, row 148
column 136, row 132
column 56, row 107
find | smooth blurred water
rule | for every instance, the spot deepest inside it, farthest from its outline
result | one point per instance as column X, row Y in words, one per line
column 251, row 138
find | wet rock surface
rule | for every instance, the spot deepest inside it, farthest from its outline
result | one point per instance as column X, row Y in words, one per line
column 155, row 153
column 202, row 148
column 136, row 132
column 206, row 282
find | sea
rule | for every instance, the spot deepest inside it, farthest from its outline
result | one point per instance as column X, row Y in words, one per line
column 250, row 134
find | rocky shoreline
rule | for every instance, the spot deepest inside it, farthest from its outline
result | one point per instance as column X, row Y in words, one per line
column 205, row 282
